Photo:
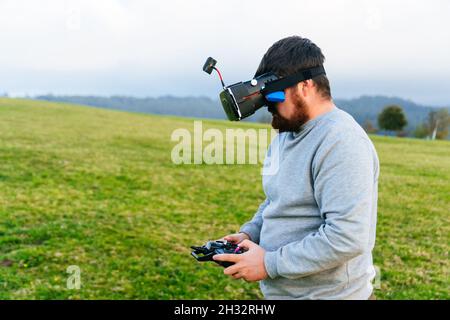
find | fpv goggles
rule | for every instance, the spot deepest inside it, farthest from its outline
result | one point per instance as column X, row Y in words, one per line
column 242, row 99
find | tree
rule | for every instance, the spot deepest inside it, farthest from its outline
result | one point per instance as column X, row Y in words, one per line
column 421, row 131
column 438, row 123
column 369, row 127
column 392, row 118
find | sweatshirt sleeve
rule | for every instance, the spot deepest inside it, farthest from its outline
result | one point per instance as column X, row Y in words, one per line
column 343, row 172
column 253, row 227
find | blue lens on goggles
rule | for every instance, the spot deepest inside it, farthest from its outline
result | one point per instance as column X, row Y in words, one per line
column 277, row 96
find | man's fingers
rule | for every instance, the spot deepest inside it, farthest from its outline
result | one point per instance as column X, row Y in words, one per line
column 231, row 270
column 232, row 239
column 227, row 257
column 237, row 276
column 247, row 244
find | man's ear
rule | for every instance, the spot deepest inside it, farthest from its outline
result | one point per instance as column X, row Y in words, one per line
column 296, row 90
column 305, row 87
column 300, row 89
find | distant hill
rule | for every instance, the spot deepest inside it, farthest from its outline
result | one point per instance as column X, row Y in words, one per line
column 362, row 109
column 198, row 107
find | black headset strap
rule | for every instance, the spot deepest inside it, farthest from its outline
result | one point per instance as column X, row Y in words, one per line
column 289, row 81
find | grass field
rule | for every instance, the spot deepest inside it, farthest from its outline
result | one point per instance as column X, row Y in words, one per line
column 97, row 189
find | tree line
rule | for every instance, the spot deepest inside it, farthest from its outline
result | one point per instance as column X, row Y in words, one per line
column 392, row 119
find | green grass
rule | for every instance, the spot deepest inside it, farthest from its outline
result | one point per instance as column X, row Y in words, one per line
column 97, row 188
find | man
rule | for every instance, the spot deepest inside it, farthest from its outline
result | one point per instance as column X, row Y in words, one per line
column 312, row 238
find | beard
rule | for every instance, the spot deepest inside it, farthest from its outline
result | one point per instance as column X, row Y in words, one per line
column 294, row 123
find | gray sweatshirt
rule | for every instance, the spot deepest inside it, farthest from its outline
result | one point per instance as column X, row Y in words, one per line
column 318, row 221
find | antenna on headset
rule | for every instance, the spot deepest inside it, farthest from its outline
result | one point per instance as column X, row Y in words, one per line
column 209, row 66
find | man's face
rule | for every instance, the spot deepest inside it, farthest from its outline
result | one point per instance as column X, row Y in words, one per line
column 290, row 114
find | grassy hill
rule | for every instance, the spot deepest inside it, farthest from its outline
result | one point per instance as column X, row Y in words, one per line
column 97, row 189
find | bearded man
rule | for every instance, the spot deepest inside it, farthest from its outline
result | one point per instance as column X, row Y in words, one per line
column 313, row 236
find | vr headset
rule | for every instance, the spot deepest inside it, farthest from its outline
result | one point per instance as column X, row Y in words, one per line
column 242, row 99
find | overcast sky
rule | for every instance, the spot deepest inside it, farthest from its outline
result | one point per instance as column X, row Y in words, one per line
column 152, row 48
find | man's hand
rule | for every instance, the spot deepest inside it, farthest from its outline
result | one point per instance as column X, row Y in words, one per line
column 248, row 265
column 236, row 238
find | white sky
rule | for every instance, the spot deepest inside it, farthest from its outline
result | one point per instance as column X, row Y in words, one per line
column 152, row 48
